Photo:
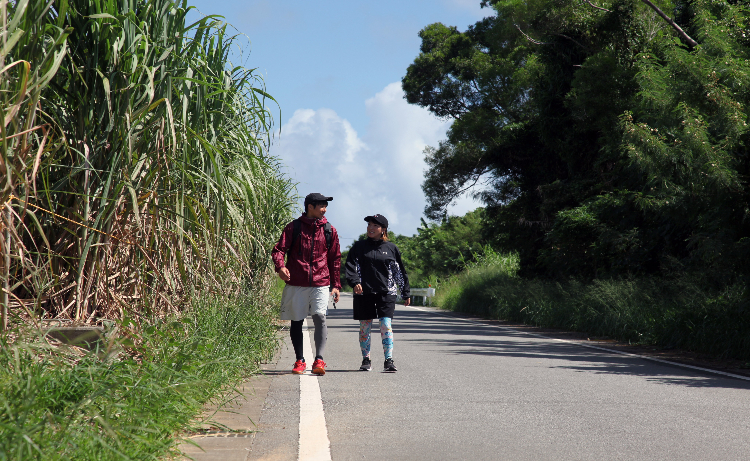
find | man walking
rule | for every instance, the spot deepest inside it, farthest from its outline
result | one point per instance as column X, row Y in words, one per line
column 313, row 264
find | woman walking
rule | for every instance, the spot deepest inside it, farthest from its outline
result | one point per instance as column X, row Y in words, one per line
column 375, row 271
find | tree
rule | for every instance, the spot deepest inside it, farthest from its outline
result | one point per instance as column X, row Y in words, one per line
column 613, row 145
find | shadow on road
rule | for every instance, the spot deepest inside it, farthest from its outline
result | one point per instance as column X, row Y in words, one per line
column 453, row 335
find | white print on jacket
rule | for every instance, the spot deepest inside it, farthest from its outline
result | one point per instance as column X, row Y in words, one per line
column 395, row 277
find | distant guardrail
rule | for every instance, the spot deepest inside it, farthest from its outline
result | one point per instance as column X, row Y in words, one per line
column 425, row 293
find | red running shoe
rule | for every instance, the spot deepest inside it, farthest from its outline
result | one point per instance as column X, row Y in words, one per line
column 319, row 367
column 299, row 367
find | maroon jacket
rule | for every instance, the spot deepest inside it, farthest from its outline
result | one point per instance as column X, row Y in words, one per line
column 325, row 268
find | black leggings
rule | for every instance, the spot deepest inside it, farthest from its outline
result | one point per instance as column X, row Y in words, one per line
column 321, row 336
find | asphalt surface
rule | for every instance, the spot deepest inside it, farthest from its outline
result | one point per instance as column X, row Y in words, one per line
column 471, row 391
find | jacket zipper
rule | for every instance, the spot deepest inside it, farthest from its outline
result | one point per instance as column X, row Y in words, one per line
column 312, row 249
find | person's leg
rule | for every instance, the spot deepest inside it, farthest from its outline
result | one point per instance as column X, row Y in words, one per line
column 386, row 336
column 321, row 335
column 295, row 332
column 365, row 326
column 318, row 307
column 294, row 308
column 364, row 337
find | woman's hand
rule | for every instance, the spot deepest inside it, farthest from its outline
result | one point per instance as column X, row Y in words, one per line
column 358, row 289
column 407, row 301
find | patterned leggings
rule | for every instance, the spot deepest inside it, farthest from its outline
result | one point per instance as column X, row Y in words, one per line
column 386, row 335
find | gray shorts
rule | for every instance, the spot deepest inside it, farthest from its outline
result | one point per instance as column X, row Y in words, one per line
column 298, row 302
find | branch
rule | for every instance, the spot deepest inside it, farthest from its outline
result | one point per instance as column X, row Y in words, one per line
column 597, row 7
column 573, row 40
column 679, row 30
column 535, row 42
column 476, row 180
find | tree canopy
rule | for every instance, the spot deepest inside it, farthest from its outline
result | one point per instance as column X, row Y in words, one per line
column 614, row 140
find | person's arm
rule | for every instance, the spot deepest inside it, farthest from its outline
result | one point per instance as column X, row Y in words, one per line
column 334, row 260
column 334, row 264
column 352, row 275
column 403, row 280
column 280, row 250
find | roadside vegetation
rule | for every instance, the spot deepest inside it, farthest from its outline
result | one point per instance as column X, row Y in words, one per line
column 136, row 153
column 677, row 313
column 138, row 194
column 129, row 402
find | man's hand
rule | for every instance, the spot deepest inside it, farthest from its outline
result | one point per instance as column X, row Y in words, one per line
column 335, row 293
column 407, row 301
column 284, row 274
column 358, row 289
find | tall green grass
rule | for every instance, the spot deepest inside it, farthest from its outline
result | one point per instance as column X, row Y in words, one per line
column 678, row 312
column 136, row 152
column 58, row 404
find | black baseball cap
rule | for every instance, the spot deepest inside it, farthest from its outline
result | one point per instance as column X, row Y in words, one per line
column 316, row 197
column 378, row 219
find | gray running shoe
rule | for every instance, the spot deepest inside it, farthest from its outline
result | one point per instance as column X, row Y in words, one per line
column 389, row 366
column 366, row 364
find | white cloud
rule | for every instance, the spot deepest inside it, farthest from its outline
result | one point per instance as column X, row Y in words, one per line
column 379, row 172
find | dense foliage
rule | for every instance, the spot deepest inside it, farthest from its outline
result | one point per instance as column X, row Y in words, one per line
column 614, row 147
column 135, row 162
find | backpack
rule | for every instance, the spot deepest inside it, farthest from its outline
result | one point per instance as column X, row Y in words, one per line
column 297, row 229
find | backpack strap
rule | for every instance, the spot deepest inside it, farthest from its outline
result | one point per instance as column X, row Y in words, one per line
column 327, row 229
column 296, row 230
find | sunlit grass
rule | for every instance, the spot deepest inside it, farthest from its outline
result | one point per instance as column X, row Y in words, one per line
column 60, row 404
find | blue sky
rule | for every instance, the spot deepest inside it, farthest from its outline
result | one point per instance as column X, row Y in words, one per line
column 335, row 68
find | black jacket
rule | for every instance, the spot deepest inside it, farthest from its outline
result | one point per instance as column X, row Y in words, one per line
column 377, row 265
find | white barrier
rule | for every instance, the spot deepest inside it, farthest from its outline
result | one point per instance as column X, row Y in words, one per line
column 425, row 293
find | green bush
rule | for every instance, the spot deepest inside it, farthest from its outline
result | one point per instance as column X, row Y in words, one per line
column 58, row 404
column 678, row 312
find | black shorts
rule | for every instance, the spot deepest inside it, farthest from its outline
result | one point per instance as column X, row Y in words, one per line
column 374, row 306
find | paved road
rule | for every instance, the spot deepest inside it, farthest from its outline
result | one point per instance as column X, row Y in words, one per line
column 471, row 391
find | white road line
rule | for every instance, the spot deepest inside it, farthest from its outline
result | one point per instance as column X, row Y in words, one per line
column 313, row 434
column 577, row 343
